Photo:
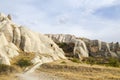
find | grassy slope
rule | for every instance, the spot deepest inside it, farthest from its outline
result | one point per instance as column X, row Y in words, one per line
column 12, row 75
column 77, row 71
column 8, row 77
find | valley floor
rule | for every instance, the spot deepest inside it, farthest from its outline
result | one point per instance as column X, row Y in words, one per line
column 68, row 70
column 39, row 76
column 76, row 71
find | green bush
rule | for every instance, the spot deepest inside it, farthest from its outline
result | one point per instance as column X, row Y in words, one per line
column 114, row 62
column 76, row 60
column 90, row 61
column 24, row 63
column 6, row 69
column 67, row 47
column 63, row 62
column 61, row 44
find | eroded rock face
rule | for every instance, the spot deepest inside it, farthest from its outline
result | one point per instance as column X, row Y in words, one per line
column 7, row 50
column 79, row 49
column 14, row 37
column 86, row 47
column 100, row 49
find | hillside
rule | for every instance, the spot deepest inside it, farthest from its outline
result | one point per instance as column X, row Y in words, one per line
column 75, row 71
column 83, row 47
column 29, row 55
column 15, row 38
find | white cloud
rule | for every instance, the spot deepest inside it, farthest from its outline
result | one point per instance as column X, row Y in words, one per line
column 64, row 16
column 88, row 4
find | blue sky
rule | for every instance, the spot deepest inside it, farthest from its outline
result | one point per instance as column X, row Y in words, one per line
column 94, row 19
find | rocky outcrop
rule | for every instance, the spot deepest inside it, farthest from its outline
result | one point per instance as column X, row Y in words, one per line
column 79, row 49
column 14, row 38
column 98, row 48
column 84, row 47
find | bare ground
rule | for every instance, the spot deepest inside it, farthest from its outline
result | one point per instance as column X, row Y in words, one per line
column 39, row 76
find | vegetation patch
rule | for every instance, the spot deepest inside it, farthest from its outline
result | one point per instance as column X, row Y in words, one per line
column 23, row 60
column 6, row 69
column 76, row 60
column 113, row 62
column 67, row 48
column 63, row 62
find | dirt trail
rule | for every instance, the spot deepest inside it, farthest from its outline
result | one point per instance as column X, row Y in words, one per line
column 30, row 74
column 38, row 76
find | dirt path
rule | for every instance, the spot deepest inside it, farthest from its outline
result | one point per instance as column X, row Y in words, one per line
column 38, row 76
column 30, row 74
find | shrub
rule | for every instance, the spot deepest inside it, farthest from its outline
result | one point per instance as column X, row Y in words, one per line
column 63, row 62
column 94, row 60
column 67, row 47
column 114, row 62
column 90, row 60
column 61, row 44
column 76, row 60
column 24, row 62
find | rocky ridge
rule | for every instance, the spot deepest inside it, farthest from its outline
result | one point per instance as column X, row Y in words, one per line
column 14, row 38
column 84, row 47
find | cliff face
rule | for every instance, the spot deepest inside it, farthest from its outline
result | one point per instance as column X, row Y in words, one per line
column 85, row 47
column 79, row 49
column 14, row 38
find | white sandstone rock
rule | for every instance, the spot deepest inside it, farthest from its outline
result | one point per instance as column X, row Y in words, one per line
column 14, row 37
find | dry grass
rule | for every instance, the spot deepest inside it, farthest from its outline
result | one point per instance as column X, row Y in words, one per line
column 22, row 55
column 8, row 77
column 77, row 71
column 8, row 72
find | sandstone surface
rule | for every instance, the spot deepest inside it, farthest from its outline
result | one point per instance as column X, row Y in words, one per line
column 14, row 37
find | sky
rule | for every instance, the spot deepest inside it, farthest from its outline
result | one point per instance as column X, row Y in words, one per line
column 94, row 19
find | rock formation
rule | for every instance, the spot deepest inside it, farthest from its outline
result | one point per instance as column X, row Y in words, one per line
column 79, row 49
column 14, row 38
column 85, row 47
